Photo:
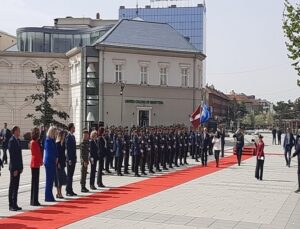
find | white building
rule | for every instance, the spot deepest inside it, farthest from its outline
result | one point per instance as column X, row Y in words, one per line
column 159, row 70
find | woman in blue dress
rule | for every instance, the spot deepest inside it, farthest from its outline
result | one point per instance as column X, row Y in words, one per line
column 50, row 160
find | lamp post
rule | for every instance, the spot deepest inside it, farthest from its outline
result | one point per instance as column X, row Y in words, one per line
column 122, row 85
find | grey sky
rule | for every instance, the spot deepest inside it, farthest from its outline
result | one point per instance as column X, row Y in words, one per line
column 245, row 42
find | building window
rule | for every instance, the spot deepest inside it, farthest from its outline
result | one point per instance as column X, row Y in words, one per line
column 144, row 75
column 185, row 77
column 163, row 76
column 118, row 73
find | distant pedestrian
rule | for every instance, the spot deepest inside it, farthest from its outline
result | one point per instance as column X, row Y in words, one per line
column 274, row 131
column 279, row 133
column 288, row 144
column 50, row 161
column 239, row 136
column 15, row 168
column 297, row 153
column 223, row 135
column 60, row 175
column 260, row 158
column 5, row 135
column 36, row 163
column 217, row 147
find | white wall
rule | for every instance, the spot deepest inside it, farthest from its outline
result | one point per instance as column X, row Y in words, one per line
column 17, row 81
column 131, row 68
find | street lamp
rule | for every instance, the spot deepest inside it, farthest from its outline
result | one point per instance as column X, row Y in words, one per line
column 122, row 85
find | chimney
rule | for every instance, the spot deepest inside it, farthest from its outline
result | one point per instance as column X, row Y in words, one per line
column 98, row 16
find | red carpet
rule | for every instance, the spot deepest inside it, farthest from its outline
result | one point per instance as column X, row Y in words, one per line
column 68, row 212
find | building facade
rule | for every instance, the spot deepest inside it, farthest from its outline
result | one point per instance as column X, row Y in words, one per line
column 188, row 21
column 218, row 103
column 6, row 40
column 66, row 34
column 161, row 80
column 17, row 82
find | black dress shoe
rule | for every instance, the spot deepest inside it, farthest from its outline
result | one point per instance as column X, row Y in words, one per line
column 74, row 194
column 126, row 173
column 36, row 204
column 137, row 175
column 151, row 171
column 120, row 174
column 18, row 208
column 145, row 174
column 108, row 171
column 14, row 209
column 69, row 194
column 298, row 190
column 93, row 187
column 84, row 190
column 101, row 185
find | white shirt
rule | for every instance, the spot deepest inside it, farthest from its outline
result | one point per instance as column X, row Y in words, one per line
column 217, row 143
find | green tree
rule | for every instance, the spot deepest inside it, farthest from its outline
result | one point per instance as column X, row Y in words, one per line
column 284, row 110
column 291, row 28
column 260, row 120
column 49, row 88
column 249, row 120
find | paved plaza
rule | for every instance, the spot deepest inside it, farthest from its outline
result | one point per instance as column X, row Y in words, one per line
column 228, row 198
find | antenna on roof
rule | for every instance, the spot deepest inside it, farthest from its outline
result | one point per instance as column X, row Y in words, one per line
column 137, row 8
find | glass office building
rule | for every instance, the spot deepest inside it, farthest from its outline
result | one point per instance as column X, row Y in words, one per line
column 57, row 40
column 189, row 21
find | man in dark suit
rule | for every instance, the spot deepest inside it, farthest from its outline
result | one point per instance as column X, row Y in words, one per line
column 205, row 144
column 71, row 159
column 15, row 168
column 239, row 136
column 274, row 131
column 223, row 135
column 5, row 135
column 289, row 142
column 297, row 153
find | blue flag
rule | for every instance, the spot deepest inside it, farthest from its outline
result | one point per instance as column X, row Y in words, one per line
column 205, row 115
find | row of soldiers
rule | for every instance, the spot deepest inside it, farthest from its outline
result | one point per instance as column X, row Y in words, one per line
column 151, row 149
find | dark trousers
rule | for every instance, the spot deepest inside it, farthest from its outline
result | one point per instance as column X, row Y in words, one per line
column 164, row 153
column 93, row 173
column 4, row 159
column 204, row 156
column 132, row 163
column 126, row 161
column 299, row 171
column 137, row 159
column 193, row 150
column 222, row 149
column 83, row 175
column 99, row 173
column 197, row 153
column 239, row 152
column 13, row 190
column 274, row 139
column 217, row 157
column 157, row 158
column 176, row 156
column 287, row 155
column 70, row 174
column 144, row 161
column 279, row 140
column 185, row 154
column 119, row 160
column 50, row 175
column 108, row 161
column 171, row 157
column 150, row 159
column 180, row 155
column 259, row 169
column 35, row 180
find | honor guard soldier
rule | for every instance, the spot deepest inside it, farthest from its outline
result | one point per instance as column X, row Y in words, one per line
column 84, row 157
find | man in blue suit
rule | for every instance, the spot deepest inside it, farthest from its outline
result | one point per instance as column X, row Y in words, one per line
column 5, row 135
column 289, row 142
column 71, row 159
column 15, row 168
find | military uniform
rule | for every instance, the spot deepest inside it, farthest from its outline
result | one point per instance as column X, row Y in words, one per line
column 84, row 157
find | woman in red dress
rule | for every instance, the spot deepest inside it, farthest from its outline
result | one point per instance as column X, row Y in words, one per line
column 260, row 158
column 36, row 162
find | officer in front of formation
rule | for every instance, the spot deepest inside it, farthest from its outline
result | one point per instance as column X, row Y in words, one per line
column 239, row 136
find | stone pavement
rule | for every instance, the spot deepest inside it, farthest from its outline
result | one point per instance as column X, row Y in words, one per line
column 230, row 198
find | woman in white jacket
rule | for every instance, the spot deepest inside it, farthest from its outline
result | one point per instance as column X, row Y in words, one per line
column 217, row 147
